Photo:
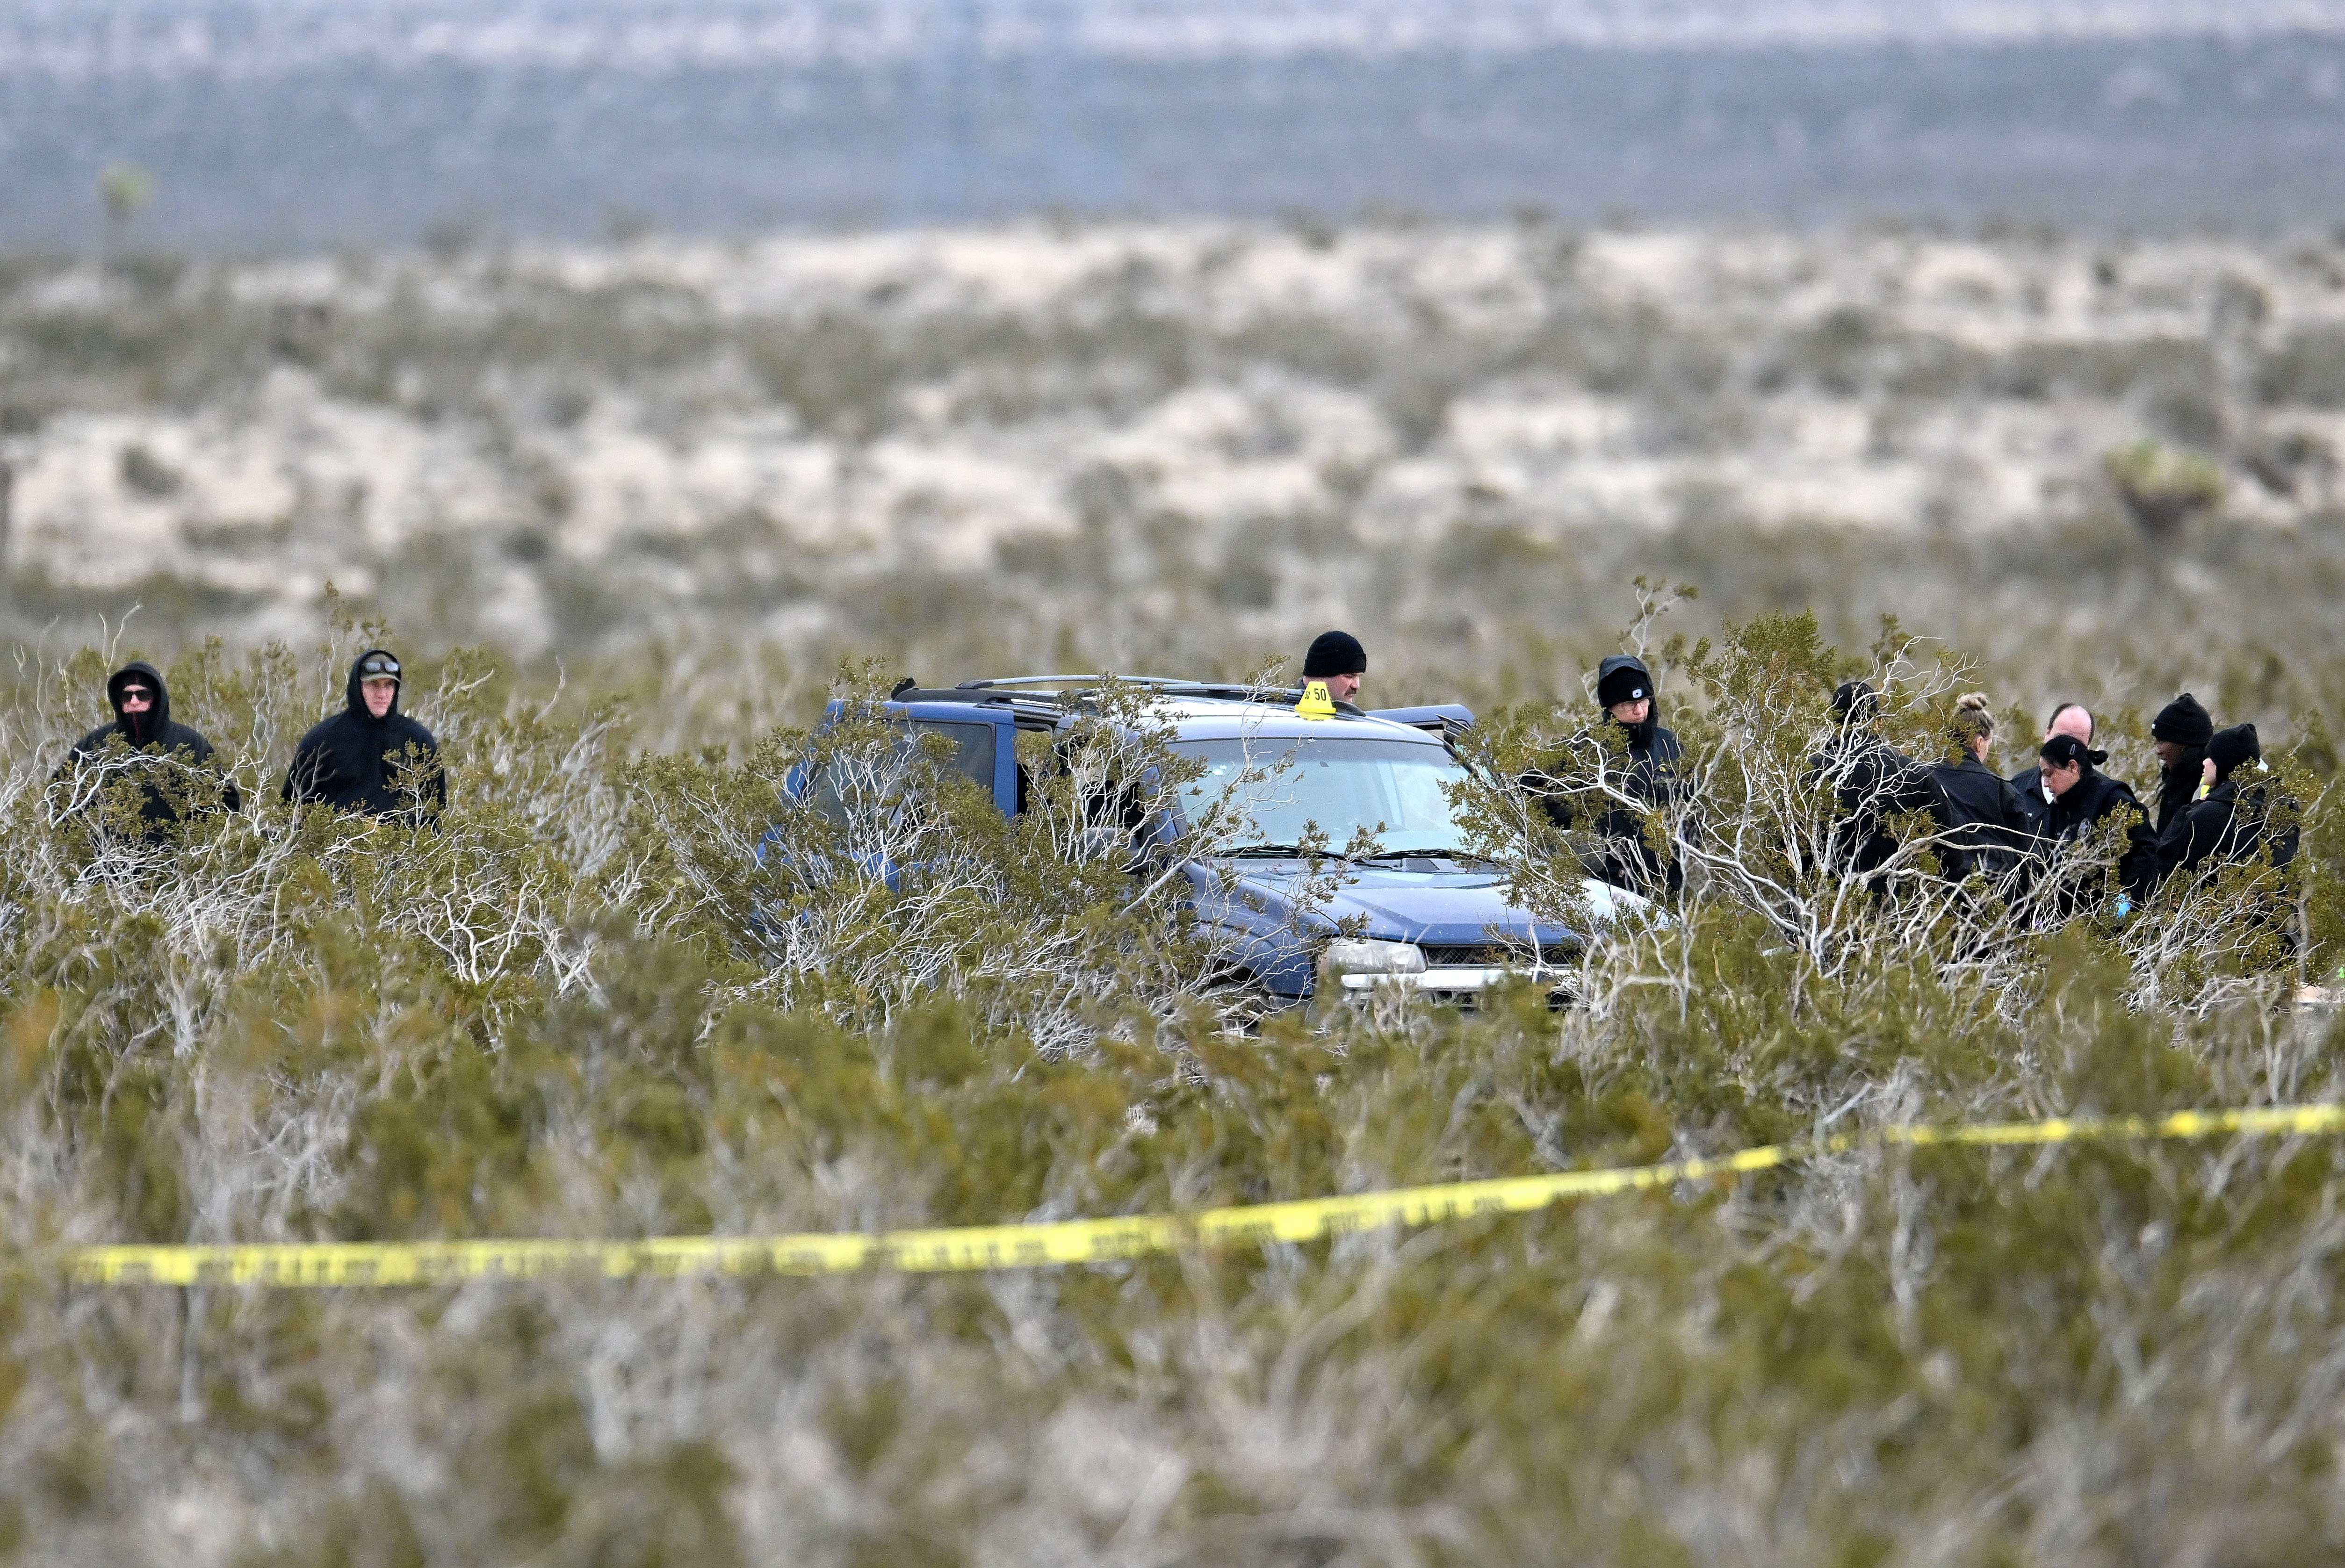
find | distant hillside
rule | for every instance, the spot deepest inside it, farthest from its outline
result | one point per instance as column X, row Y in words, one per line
column 248, row 36
column 302, row 125
column 573, row 446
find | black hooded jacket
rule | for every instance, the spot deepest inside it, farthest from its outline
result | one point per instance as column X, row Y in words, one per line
column 2075, row 815
column 1987, row 826
column 1642, row 763
column 355, row 762
column 2228, row 827
column 1873, row 782
column 172, row 764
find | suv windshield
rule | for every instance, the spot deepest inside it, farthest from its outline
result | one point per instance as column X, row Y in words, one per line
column 1393, row 788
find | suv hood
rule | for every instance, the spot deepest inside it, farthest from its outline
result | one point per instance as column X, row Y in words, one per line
column 1444, row 907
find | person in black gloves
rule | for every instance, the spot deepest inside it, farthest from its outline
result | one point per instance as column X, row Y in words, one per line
column 1632, row 755
column 1986, row 827
column 371, row 758
column 1337, row 658
column 2182, row 729
column 2225, row 823
column 2083, row 798
column 170, row 764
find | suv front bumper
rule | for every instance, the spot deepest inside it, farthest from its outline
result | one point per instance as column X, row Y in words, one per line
column 1442, row 983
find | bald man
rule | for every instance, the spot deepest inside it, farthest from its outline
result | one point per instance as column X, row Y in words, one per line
column 2068, row 718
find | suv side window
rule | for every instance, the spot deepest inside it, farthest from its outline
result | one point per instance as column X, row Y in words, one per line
column 972, row 757
column 972, row 744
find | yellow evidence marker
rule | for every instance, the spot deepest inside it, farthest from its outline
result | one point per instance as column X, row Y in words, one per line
column 1315, row 703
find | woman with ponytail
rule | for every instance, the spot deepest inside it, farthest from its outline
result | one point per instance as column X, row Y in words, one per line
column 1986, row 826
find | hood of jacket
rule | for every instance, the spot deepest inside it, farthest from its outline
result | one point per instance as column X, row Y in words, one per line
column 357, row 698
column 156, row 720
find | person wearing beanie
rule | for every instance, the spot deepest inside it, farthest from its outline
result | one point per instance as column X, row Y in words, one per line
column 1855, row 703
column 371, row 759
column 170, row 765
column 2082, row 799
column 2182, row 729
column 1986, row 828
column 2226, row 822
column 2067, row 719
column 1631, row 763
column 1337, row 658
column 1873, row 781
column 1624, row 681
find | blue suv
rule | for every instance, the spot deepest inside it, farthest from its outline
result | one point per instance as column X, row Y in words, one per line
column 1421, row 911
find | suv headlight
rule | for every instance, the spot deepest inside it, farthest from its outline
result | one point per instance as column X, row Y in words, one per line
column 1355, row 956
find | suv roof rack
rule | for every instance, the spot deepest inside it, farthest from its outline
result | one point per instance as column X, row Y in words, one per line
column 1010, row 689
column 1092, row 680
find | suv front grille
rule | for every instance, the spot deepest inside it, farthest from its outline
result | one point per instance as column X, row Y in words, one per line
column 1493, row 955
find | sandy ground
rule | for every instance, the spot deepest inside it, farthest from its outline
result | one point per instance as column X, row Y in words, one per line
column 281, row 479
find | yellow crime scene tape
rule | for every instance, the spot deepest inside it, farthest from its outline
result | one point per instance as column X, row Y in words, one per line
column 984, row 1247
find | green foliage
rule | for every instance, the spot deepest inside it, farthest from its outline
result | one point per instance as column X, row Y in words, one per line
column 586, row 1002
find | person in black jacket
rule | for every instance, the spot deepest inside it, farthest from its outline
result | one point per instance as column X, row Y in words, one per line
column 2182, row 729
column 1987, row 829
column 2083, row 798
column 371, row 758
column 1873, row 782
column 2067, row 719
column 2225, row 823
column 170, row 764
column 1631, row 754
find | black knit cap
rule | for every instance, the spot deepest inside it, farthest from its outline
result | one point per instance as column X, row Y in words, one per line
column 2062, row 750
column 1622, row 679
column 2184, row 721
column 2230, row 748
column 1856, row 702
column 1334, row 653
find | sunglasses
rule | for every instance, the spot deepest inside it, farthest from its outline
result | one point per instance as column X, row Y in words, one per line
column 379, row 668
column 136, row 694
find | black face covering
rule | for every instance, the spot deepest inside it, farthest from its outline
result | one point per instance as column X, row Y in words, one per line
column 139, row 726
column 139, row 729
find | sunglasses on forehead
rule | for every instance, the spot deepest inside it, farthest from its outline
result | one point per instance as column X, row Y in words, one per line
column 379, row 667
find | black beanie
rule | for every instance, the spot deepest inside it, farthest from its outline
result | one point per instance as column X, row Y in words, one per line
column 1334, row 653
column 1856, row 702
column 2062, row 750
column 2184, row 721
column 2231, row 747
column 1622, row 679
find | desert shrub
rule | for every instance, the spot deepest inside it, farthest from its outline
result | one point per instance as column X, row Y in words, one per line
column 2309, row 369
column 585, row 1004
column 2163, row 488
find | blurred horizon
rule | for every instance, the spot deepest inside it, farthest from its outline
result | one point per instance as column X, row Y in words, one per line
column 295, row 125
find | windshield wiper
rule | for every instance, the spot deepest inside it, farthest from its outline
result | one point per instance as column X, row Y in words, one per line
column 1461, row 856
column 1265, row 851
